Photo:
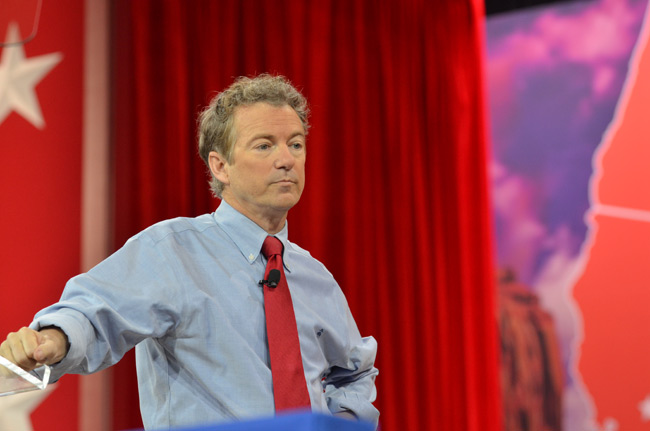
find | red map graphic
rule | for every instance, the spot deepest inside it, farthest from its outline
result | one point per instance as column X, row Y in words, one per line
column 613, row 292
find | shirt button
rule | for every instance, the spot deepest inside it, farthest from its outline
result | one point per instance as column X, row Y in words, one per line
column 251, row 257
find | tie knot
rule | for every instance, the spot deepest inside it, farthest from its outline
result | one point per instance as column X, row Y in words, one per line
column 271, row 246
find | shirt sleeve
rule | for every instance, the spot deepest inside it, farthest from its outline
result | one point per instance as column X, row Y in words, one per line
column 104, row 313
column 350, row 386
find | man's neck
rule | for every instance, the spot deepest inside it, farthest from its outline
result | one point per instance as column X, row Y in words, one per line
column 272, row 222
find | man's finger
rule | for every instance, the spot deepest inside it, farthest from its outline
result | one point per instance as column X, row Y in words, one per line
column 52, row 346
column 5, row 352
column 19, row 347
column 29, row 340
column 45, row 352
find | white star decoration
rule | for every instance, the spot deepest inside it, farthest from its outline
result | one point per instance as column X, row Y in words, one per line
column 19, row 76
column 16, row 409
column 644, row 408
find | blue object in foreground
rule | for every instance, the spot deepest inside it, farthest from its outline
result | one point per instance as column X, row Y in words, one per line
column 293, row 422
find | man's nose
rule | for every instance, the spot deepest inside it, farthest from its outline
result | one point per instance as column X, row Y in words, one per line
column 284, row 157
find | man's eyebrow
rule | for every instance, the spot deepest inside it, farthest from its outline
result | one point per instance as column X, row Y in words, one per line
column 270, row 137
column 260, row 136
column 294, row 134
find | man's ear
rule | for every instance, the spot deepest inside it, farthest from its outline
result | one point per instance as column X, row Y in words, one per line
column 219, row 167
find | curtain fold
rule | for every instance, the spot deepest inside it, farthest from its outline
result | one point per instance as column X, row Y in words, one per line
column 396, row 202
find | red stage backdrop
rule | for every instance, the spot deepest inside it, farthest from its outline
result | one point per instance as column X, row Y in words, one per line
column 395, row 203
column 40, row 179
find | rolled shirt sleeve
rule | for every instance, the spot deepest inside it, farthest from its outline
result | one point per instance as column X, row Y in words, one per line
column 107, row 311
column 352, row 388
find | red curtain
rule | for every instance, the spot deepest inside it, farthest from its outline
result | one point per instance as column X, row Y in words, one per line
column 396, row 201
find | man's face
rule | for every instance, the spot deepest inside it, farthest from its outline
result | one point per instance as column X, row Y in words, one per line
column 267, row 173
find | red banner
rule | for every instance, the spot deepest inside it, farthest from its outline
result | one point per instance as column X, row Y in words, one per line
column 40, row 177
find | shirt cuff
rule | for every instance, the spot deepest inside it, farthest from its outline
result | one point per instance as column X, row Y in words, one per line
column 74, row 330
column 361, row 408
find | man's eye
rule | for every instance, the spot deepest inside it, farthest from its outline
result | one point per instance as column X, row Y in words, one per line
column 263, row 147
column 297, row 145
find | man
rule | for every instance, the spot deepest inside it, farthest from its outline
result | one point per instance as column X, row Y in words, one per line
column 186, row 292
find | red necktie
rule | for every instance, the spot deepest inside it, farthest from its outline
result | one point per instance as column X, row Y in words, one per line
column 289, row 385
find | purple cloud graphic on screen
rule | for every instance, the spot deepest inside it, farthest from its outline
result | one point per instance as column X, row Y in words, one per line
column 555, row 76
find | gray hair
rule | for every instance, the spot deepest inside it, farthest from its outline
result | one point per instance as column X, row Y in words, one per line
column 216, row 122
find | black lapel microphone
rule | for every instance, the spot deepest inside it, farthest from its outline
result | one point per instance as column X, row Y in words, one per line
column 273, row 280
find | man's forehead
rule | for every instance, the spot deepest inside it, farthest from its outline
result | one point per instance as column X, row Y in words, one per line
column 259, row 116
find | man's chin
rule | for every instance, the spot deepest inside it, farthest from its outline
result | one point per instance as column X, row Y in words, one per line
column 286, row 201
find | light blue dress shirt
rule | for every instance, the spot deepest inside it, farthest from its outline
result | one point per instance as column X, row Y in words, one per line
column 185, row 293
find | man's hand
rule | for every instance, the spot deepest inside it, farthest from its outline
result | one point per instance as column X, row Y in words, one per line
column 30, row 349
column 346, row 414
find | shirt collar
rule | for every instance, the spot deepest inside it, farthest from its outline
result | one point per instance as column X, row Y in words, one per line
column 248, row 235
